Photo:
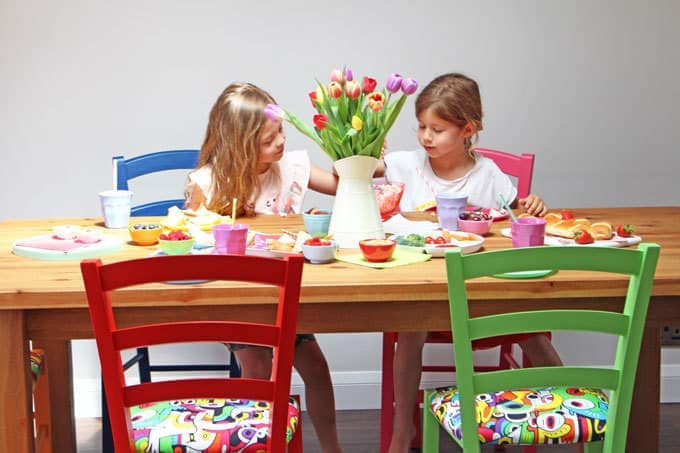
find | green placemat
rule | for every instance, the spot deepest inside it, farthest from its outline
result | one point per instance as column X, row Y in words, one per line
column 526, row 274
column 400, row 258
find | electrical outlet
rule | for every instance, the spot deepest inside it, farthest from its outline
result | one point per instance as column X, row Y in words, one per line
column 670, row 336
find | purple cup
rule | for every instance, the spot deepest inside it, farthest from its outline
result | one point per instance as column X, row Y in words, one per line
column 230, row 239
column 527, row 231
column 449, row 206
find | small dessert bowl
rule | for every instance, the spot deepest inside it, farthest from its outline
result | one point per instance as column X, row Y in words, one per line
column 176, row 247
column 316, row 222
column 145, row 233
column 319, row 254
column 473, row 222
column 377, row 250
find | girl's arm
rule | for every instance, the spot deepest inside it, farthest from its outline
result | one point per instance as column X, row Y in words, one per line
column 194, row 196
column 323, row 181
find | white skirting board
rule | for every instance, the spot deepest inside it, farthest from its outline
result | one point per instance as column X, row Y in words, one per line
column 353, row 390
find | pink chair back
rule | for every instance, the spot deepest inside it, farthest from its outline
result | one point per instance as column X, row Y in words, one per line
column 520, row 166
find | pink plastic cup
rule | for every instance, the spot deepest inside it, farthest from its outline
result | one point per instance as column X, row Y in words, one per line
column 527, row 231
column 449, row 206
column 230, row 239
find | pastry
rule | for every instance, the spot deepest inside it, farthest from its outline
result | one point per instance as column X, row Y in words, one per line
column 601, row 231
column 567, row 228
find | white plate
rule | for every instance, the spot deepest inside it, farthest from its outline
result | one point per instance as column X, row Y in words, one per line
column 615, row 241
column 468, row 242
column 259, row 247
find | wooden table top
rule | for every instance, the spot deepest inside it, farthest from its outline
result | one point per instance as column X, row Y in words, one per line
column 34, row 284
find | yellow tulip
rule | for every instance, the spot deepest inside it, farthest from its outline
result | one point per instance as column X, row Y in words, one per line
column 357, row 123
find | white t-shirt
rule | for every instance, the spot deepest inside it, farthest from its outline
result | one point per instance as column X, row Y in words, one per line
column 482, row 183
column 283, row 186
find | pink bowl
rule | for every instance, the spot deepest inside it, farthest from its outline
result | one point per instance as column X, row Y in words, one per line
column 480, row 227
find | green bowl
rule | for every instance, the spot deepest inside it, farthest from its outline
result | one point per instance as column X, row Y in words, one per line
column 176, row 247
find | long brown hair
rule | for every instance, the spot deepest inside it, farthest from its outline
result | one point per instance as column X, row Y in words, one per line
column 454, row 97
column 231, row 147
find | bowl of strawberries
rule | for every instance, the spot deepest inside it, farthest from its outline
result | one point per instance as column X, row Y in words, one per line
column 319, row 250
column 176, row 242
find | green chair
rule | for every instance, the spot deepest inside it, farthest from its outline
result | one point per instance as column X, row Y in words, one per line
column 544, row 405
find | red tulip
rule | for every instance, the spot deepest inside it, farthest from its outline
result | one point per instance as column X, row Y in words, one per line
column 352, row 89
column 334, row 90
column 320, row 121
column 369, row 85
column 312, row 97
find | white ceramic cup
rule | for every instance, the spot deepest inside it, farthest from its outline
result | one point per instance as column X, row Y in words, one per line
column 116, row 206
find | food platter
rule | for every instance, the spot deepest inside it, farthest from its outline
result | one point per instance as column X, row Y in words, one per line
column 615, row 241
column 259, row 245
column 467, row 242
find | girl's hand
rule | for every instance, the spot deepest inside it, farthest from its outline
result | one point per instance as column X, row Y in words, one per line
column 533, row 205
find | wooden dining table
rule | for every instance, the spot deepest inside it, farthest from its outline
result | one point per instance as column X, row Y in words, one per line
column 44, row 302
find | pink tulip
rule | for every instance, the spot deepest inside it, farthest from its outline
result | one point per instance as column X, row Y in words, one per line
column 337, row 76
column 352, row 89
column 348, row 75
column 274, row 112
column 334, row 89
column 393, row 83
column 409, row 86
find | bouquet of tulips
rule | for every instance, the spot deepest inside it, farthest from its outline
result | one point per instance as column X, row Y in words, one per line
column 352, row 118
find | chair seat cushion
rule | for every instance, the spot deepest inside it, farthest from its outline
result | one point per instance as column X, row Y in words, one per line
column 37, row 363
column 548, row 415
column 206, row 425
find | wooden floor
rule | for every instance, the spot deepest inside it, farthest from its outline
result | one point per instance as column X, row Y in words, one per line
column 359, row 433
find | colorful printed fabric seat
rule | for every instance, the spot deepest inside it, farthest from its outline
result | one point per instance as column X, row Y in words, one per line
column 549, row 415
column 37, row 364
column 207, row 426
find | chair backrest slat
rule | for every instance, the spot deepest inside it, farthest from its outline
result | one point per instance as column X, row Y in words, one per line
column 127, row 169
column 204, row 388
column 282, row 275
column 180, row 332
column 570, row 376
column 520, row 166
column 638, row 265
column 549, row 320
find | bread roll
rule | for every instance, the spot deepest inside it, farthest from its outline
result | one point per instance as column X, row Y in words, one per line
column 601, row 231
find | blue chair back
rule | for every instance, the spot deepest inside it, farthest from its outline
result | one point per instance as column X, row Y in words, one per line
column 134, row 167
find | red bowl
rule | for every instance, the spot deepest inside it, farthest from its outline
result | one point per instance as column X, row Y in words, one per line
column 377, row 250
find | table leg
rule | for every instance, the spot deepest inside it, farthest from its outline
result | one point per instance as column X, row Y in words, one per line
column 643, row 427
column 60, row 389
column 16, row 413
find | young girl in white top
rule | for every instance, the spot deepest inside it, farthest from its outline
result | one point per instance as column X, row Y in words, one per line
column 243, row 157
column 449, row 113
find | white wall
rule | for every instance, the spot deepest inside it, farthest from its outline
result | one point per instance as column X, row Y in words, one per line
column 589, row 86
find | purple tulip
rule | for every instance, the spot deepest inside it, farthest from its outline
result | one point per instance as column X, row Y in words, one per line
column 409, row 86
column 274, row 112
column 348, row 75
column 393, row 83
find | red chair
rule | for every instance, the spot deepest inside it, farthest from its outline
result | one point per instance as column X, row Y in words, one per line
column 199, row 414
column 520, row 167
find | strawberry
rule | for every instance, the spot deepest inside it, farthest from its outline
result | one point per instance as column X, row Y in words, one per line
column 567, row 214
column 625, row 231
column 583, row 237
